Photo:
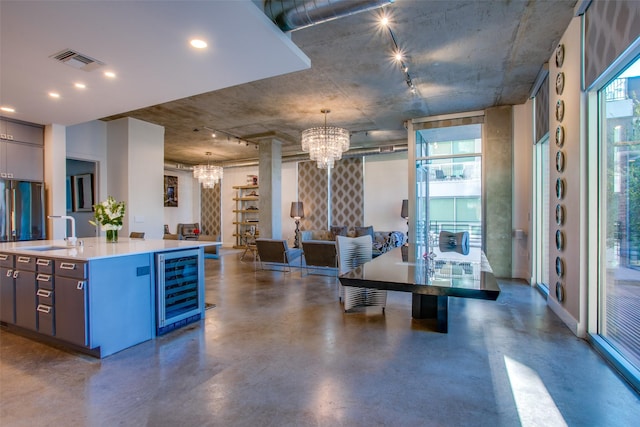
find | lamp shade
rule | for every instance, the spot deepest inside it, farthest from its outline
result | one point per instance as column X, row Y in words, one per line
column 297, row 210
column 404, row 212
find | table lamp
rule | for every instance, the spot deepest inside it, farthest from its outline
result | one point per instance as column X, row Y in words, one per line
column 297, row 212
column 404, row 213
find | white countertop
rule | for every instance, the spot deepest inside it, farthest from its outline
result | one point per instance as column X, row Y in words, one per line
column 97, row 247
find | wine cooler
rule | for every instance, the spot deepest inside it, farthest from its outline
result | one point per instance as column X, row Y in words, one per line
column 180, row 289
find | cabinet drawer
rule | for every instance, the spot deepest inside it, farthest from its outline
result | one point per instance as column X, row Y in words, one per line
column 25, row 262
column 46, row 320
column 6, row 260
column 76, row 270
column 44, row 265
column 45, row 296
column 45, row 281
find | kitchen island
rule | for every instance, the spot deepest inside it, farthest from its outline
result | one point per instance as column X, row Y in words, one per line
column 99, row 297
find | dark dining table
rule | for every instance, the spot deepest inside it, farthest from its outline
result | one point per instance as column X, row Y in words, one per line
column 431, row 275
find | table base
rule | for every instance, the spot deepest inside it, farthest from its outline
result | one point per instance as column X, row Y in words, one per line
column 432, row 307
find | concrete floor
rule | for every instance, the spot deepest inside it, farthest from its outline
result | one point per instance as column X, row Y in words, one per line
column 278, row 351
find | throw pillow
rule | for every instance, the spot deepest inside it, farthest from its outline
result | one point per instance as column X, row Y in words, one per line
column 322, row 235
column 338, row 230
column 365, row 231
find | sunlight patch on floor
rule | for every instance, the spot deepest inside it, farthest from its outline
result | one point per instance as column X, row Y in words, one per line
column 534, row 403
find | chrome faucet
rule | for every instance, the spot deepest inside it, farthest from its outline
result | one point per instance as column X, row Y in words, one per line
column 71, row 240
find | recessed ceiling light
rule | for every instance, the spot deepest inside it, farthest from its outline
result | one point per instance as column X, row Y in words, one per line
column 198, row 44
column 110, row 74
column 384, row 21
column 54, row 94
column 8, row 109
column 80, row 85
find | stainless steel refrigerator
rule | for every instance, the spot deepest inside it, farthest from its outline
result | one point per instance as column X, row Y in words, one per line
column 21, row 210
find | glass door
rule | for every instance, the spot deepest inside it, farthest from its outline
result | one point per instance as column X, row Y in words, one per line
column 448, row 182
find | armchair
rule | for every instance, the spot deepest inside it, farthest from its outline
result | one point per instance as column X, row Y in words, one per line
column 320, row 254
column 274, row 251
column 188, row 231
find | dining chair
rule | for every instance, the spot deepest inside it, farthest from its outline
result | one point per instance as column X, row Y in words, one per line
column 353, row 252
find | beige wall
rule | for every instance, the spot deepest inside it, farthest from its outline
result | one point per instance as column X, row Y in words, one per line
column 139, row 183
column 574, row 281
column 385, row 186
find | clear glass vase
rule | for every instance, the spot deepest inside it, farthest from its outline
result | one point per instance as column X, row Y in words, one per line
column 112, row 236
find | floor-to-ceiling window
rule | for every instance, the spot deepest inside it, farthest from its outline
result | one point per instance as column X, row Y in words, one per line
column 619, row 214
column 541, row 214
column 448, row 182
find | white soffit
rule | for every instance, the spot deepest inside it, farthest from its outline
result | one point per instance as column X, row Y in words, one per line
column 146, row 43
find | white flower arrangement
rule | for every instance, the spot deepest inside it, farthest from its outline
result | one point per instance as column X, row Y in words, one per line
column 108, row 214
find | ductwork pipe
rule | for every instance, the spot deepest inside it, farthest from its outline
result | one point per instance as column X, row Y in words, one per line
column 305, row 157
column 291, row 15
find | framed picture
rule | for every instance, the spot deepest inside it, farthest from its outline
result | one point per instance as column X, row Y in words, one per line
column 82, row 188
column 170, row 191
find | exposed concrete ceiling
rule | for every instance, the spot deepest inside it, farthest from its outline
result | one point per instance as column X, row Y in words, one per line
column 462, row 56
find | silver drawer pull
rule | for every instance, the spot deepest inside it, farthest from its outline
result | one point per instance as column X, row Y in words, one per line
column 24, row 259
column 44, row 309
column 9, row 273
column 45, row 262
column 4, row 257
column 44, row 293
column 16, row 274
column 80, row 285
column 67, row 266
column 41, row 277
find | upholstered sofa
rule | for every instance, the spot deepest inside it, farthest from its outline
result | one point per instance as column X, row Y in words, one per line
column 382, row 240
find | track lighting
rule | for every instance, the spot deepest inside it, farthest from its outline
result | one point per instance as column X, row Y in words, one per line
column 230, row 136
column 398, row 54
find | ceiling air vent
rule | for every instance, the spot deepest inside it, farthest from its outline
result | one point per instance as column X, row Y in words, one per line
column 77, row 60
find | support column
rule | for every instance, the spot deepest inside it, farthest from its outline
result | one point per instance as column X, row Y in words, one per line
column 270, row 180
column 55, row 153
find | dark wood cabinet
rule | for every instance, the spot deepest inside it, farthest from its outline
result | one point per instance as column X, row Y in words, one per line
column 7, row 289
column 25, row 286
column 71, row 302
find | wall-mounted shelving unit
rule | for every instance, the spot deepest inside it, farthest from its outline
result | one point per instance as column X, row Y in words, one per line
column 247, row 215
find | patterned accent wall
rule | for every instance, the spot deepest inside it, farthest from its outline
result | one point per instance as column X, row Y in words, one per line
column 210, row 210
column 610, row 27
column 313, row 193
column 347, row 192
column 542, row 111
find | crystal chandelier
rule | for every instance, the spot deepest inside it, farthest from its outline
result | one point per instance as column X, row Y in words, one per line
column 325, row 144
column 208, row 175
